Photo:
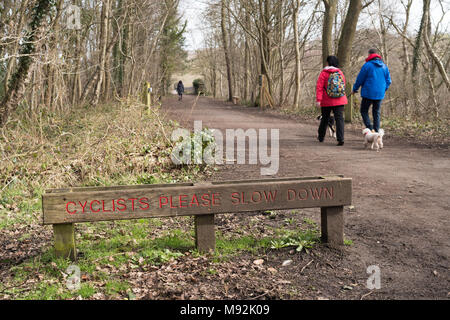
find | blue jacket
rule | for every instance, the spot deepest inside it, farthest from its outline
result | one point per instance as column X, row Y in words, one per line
column 374, row 78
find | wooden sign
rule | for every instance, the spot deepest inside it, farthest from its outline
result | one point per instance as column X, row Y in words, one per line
column 74, row 205
column 136, row 202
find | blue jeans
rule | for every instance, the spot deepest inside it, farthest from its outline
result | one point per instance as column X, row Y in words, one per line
column 376, row 113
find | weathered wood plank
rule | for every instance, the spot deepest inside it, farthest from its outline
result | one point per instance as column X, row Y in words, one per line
column 64, row 237
column 205, row 239
column 104, row 204
column 132, row 187
column 332, row 225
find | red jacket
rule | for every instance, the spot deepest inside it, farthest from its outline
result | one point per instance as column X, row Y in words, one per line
column 321, row 89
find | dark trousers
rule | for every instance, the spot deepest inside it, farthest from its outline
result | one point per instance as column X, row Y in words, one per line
column 376, row 113
column 338, row 112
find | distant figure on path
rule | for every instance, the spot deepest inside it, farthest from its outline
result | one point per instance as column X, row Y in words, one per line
column 330, row 96
column 375, row 79
column 180, row 90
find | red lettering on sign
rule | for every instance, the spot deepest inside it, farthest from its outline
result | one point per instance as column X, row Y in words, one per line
column 255, row 197
column 243, row 198
column 235, row 198
column 206, row 200
column 194, row 200
column 85, row 203
column 300, row 194
column 103, row 207
column 67, row 207
column 259, row 197
column 270, row 197
column 315, row 193
column 171, row 204
column 121, row 203
column 291, row 195
column 132, row 203
column 329, row 194
column 161, row 204
column 90, row 206
column 214, row 195
column 144, row 201
column 182, row 201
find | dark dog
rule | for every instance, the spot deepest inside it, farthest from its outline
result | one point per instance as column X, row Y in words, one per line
column 331, row 125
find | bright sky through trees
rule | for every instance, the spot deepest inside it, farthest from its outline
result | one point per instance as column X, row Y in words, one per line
column 192, row 11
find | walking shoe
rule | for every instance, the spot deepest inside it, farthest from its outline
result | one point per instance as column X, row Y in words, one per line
column 320, row 140
column 340, row 143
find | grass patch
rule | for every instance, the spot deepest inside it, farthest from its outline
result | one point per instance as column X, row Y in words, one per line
column 86, row 291
column 425, row 129
column 109, row 250
column 100, row 146
column 116, row 287
column 130, row 242
column 348, row 242
column 230, row 247
column 300, row 239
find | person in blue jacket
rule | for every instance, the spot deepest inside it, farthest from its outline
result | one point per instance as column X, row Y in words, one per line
column 375, row 79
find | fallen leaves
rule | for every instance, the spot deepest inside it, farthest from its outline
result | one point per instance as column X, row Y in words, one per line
column 272, row 270
column 258, row 262
column 286, row 263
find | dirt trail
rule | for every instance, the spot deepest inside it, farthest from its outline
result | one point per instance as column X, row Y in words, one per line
column 401, row 198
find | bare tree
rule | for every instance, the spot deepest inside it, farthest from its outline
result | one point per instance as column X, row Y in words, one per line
column 295, row 9
column 28, row 47
column 327, row 30
column 344, row 50
column 226, row 49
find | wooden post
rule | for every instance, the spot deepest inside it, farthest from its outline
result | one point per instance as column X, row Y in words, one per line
column 332, row 224
column 64, row 236
column 146, row 95
column 205, row 239
column 349, row 106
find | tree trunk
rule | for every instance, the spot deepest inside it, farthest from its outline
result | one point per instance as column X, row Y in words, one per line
column 348, row 34
column 103, row 45
column 12, row 60
column 415, row 77
column 226, row 49
column 383, row 33
column 76, row 77
column 246, row 70
column 405, row 60
column 430, row 50
column 280, row 51
column 327, row 31
column 15, row 92
column 295, row 10
column 264, row 8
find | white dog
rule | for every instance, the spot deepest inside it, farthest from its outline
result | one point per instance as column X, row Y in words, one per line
column 375, row 139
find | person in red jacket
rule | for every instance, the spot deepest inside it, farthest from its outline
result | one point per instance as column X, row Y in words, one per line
column 335, row 102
